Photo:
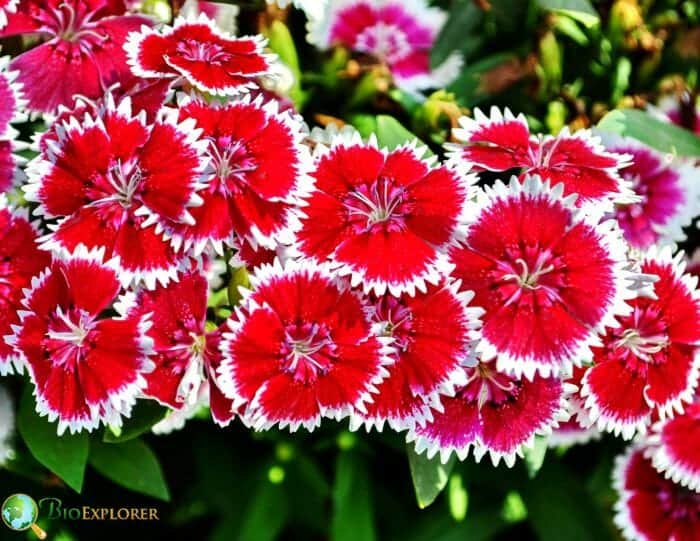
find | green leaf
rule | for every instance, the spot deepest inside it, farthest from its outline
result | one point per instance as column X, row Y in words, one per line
column 581, row 10
column 560, row 508
column 468, row 87
column 352, row 504
column 514, row 509
column 145, row 414
column 281, row 42
column 239, row 278
column 656, row 133
column 621, row 79
column 464, row 18
column 457, row 497
column 482, row 525
column 429, row 475
column 363, row 123
column 391, row 133
column 534, row 457
column 266, row 515
column 131, row 464
column 65, row 455
column 567, row 26
column 551, row 60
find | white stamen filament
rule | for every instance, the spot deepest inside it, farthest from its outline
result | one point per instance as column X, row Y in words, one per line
column 642, row 346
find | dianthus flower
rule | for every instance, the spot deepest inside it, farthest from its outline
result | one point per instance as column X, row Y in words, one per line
column 549, row 277
column 653, row 353
column 300, row 349
column 503, row 142
column 86, row 365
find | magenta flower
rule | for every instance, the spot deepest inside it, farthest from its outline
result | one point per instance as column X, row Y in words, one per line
column 492, row 413
column 87, row 367
column 116, row 182
column 20, row 259
column 259, row 169
column 186, row 356
column 670, row 108
column 302, row 348
column 651, row 508
column 668, row 192
column 399, row 34
column 384, row 218
column 201, row 54
column 653, row 353
column 82, row 52
column 433, row 336
column 549, row 278
column 503, row 142
column 12, row 105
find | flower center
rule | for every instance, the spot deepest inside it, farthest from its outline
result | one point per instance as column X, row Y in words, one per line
column 485, row 385
column 393, row 319
column 199, row 51
column 69, row 22
column 125, row 181
column 530, row 272
column 386, row 41
column 192, row 379
column 67, row 337
column 642, row 347
column 307, row 352
column 376, row 204
column 231, row 161
column 643, row 340
column 679, row 503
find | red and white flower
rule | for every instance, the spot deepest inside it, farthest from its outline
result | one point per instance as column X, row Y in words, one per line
column 12, row 101
column 668, row 191
column 20, row 259
column 493, row 413
column 503, row 142
column 651, row 508
column 259, row 175
column 116, row 182
column 433, row 336
column 197, row 51
column 653, row 353
column 250, row 257
column 7, row 8
column 549, row 277
column 87, row 367
column 384, row 218
column 398, row 33
column 186, row 356
column 579, row 429
column 302, row 348
column 82, row 52
column 674, row 447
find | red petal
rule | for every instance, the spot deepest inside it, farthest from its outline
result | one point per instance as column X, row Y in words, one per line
column 496, row 144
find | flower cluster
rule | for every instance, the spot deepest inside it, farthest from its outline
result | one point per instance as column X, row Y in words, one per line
column 383, row 286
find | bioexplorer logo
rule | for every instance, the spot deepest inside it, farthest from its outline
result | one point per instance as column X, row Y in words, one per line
column 19, row 512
